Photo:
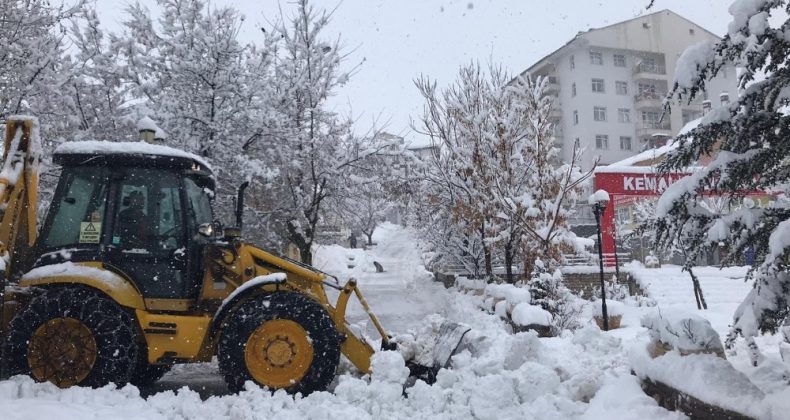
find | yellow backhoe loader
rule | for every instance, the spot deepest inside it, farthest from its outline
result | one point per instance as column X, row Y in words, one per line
column 130, row 274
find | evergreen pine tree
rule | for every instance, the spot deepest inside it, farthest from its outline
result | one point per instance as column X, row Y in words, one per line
column 749, row 142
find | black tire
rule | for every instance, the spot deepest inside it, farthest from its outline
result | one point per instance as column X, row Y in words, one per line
column 248, row 316
column 111, row 326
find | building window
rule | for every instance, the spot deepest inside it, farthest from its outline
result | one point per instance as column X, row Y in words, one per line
column 623, row 215
column 573, row 89
column 619, row 60
column 625, row 143
column 624, row 115
column 724, row 97
column 597, row 86
column 599, row 113
column 573, row 63
column 649, row 64
column 575, row 117
column 621, row 87
column 691, row 31
column 651, row 117
column 596, row 57
column 601, row 141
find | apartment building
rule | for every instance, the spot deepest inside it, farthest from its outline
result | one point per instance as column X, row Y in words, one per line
column 609, row 85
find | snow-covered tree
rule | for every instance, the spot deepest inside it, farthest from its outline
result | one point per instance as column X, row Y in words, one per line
column 534, row 190
column 33, row 74
column 373, row 187
column 312, row 149
column 749, row 143
column 206, row 89
column 451, row 185
column 190, row 67
column 97, row 92
column 496, row 166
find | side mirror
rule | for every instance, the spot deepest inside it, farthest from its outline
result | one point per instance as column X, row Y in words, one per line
column 206, row 229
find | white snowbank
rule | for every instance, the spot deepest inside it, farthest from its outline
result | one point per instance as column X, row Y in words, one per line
column 470, row 284
column 515, row 295
column 497, row 374
column 389, row 366
column 343, row 262
column 684, row 331
column 706, row 377
column 613, row 308
column 525, row 314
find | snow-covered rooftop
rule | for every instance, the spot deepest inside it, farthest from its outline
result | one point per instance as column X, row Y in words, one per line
column 125, row 148
column 627, row 164
column 147, row 124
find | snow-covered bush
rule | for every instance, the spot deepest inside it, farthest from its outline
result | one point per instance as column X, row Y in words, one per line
column 549, row 292
column 685, row 332
column 614, row 290
column 525, row 314
column 467, row 284
column 651, row 261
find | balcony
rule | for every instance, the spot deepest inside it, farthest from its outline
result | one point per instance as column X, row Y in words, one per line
column 556, row 109
column 650, row 99
column 552, row 85
column 649, row 71
column 652, row 128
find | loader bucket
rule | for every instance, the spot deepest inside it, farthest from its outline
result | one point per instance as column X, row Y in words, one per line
column 451, row 335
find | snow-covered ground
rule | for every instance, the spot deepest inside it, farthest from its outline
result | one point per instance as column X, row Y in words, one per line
column 499, row 375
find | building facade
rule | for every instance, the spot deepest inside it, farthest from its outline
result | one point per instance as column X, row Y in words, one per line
column 609, row 85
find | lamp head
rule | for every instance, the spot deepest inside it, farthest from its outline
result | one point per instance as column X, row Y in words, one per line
column 599, row 198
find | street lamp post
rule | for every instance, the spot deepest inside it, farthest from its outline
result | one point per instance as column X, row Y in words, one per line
column 599, row 200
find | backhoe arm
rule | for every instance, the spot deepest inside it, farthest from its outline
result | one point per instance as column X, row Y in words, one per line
column 19, row 190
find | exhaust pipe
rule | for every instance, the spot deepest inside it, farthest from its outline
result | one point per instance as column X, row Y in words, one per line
column 240, row 204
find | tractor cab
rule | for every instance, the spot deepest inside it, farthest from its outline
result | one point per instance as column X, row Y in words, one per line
column 136, row 207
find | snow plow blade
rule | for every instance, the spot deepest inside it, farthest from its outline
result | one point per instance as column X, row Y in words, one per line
column 451, row 334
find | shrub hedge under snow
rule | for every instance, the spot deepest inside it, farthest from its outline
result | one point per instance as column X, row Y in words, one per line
column 525, row 314
column 685, row 332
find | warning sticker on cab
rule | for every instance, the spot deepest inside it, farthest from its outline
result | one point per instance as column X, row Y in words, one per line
column 90, row 232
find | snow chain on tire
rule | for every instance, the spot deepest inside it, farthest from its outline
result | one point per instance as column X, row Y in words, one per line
column 280, row 307
column 111, row 327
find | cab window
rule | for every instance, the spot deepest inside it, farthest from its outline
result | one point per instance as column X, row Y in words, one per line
column 77, row 211
column 199, row 204
column 148, row 216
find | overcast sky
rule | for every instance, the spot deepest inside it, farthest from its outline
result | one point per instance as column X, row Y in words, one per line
column 397, row 40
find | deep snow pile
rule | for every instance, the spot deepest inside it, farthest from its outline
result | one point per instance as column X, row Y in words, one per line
column 501, row 376
column 498, row 375
column 724, row 290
